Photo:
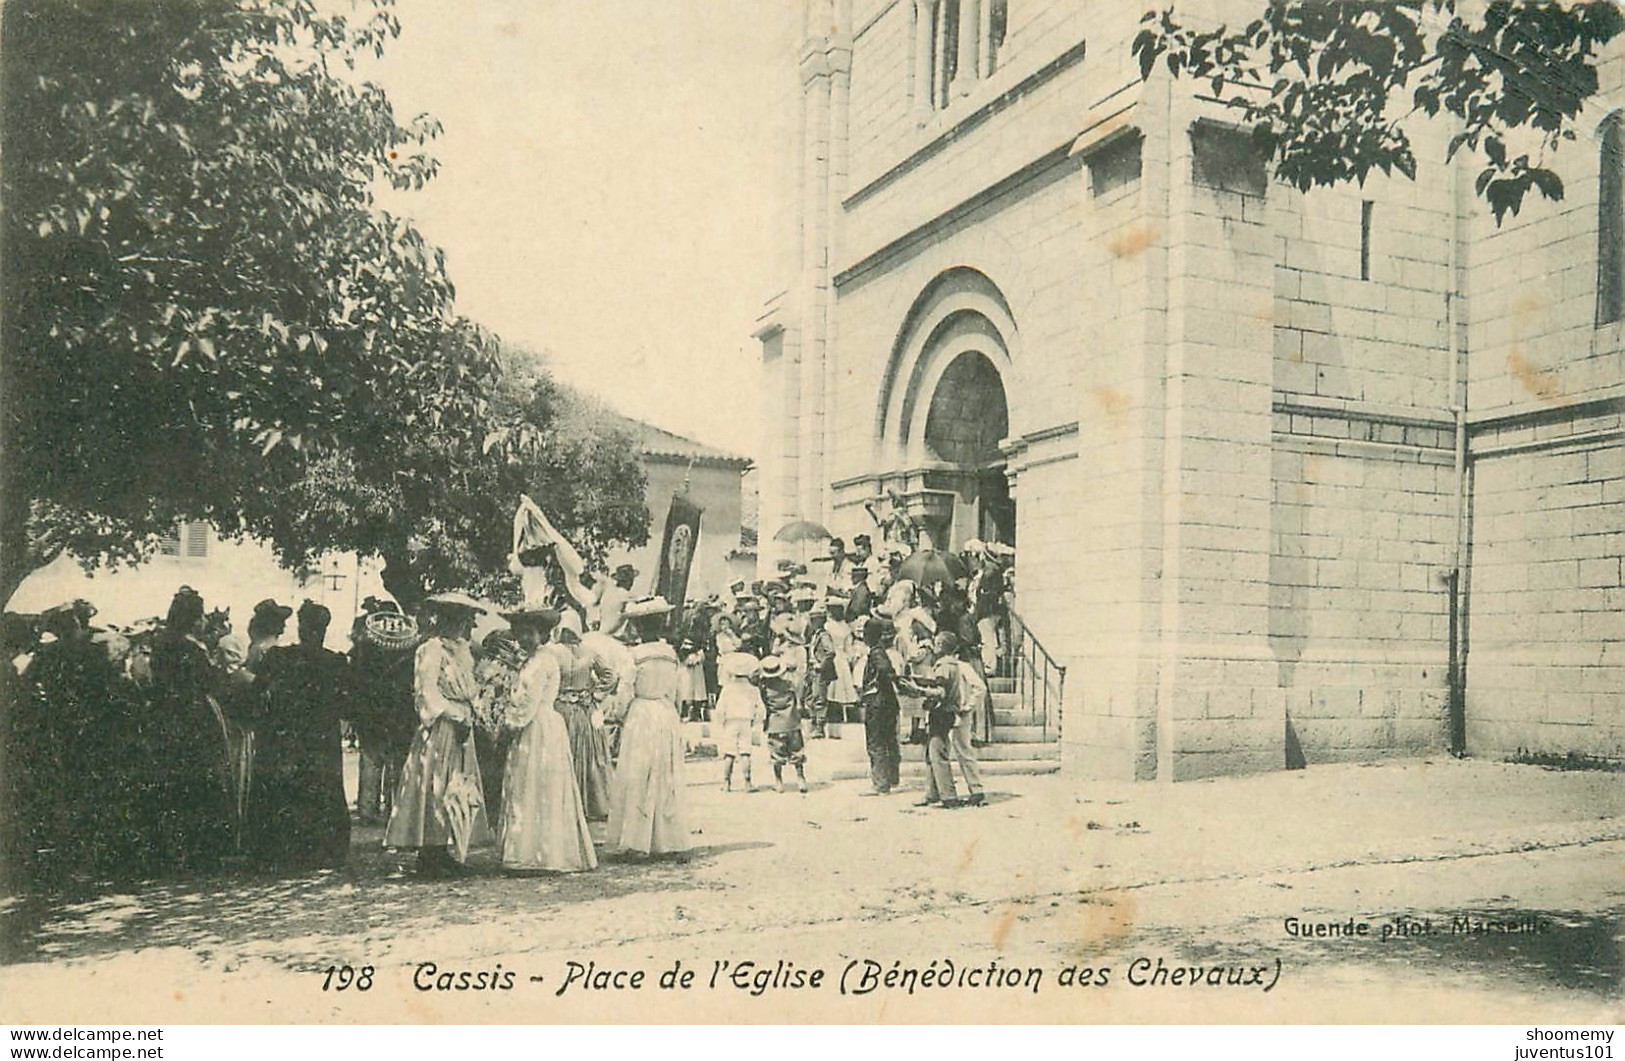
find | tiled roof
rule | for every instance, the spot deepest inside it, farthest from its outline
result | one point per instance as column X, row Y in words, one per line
column 661, row 444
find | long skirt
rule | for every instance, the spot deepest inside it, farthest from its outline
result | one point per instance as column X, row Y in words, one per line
column 440, row 782
column 590, row 754
column 297, row 817
column 880, row 737
column 542, row 825
column 646, row 808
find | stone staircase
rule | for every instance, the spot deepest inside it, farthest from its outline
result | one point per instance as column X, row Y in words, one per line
column 1021, row 743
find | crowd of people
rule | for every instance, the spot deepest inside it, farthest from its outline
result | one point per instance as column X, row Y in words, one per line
column 174, row 746
column 181, row 747
column 851, row 637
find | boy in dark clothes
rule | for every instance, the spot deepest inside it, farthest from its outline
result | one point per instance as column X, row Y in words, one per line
column 783, row 721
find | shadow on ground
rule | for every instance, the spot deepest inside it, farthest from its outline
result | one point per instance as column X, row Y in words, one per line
column 376, row 891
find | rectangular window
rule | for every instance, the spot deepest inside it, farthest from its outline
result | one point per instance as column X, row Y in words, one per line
column 197, row 539
column 1365, row 239
column 189, row 540
column 1114, row 164
column 1226, row 158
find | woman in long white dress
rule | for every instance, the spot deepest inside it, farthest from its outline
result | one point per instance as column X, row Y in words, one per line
column 647, row 813
column 542, row 824
column 439, row 808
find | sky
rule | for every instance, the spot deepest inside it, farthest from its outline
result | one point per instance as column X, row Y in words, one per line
column 613, row 189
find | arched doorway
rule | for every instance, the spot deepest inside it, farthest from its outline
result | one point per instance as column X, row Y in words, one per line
column 945, row 408
column 966, row 420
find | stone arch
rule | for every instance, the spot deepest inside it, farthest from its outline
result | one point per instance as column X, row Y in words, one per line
column 959, row 312
column 968, row 413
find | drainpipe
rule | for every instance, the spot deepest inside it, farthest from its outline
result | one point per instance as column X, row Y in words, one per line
column 1456, row 579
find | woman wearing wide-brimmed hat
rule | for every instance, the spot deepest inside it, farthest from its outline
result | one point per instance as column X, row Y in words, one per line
column 439, row 805
column 646, row 810
column 542, row 825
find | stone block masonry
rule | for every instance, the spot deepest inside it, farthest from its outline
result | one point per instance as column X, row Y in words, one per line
column 1233, row 408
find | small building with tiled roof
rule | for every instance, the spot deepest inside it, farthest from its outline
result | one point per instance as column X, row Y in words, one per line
column 710, row 478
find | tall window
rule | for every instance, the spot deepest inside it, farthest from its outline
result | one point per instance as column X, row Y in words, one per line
column 1610, row 222
column 947, row 50
column 956, row 43
column 1365, row 238
column 998, row 23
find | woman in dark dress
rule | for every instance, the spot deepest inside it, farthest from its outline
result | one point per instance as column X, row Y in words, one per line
column 189, row 806
column 878, row 695
column 298, row 817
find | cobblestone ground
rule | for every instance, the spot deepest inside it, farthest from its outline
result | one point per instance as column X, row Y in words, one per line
column 1049, row 875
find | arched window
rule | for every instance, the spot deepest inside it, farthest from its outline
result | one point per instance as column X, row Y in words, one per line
column 1610, row 221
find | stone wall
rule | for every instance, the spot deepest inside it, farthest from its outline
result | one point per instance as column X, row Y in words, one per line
column 1234, row 409
column 1546, row 659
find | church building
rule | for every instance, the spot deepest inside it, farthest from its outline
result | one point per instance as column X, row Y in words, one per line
column 1292, row 478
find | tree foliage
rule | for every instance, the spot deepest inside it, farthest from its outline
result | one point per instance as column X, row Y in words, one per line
column 439, row 508
column 208, row 317
column 1327, row 87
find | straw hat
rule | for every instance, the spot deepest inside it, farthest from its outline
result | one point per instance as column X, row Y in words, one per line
column 532, row 615
column 646, row 607
column 391, row 630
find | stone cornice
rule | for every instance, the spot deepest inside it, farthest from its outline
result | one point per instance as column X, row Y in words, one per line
column 946, row 136
column 1057, row 156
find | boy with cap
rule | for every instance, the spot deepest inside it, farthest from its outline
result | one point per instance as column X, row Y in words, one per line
column 783, row 707
column 739, row 709
column 860, row 601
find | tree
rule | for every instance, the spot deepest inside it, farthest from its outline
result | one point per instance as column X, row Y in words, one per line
column 438, row 506
column 1327, row 87
column 202, row 300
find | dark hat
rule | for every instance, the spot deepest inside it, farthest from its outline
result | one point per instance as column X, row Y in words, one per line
column 862, row 539
column 375, row 605
column 311, row 612
column 269, row 608
column 626, row 569
column 535, row 556
column 532, row 617
column 878, row 630
column 186, row 608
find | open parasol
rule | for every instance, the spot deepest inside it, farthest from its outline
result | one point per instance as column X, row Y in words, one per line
column 802, row 530
column 930, row 567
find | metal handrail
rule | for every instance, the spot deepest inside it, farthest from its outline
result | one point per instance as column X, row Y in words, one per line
column 1037, row 675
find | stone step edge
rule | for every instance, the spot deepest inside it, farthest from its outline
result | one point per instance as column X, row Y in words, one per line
column 990, row 767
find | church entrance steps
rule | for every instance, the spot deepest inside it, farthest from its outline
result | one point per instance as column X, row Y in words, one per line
column 915, row 771
column 998, row 751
